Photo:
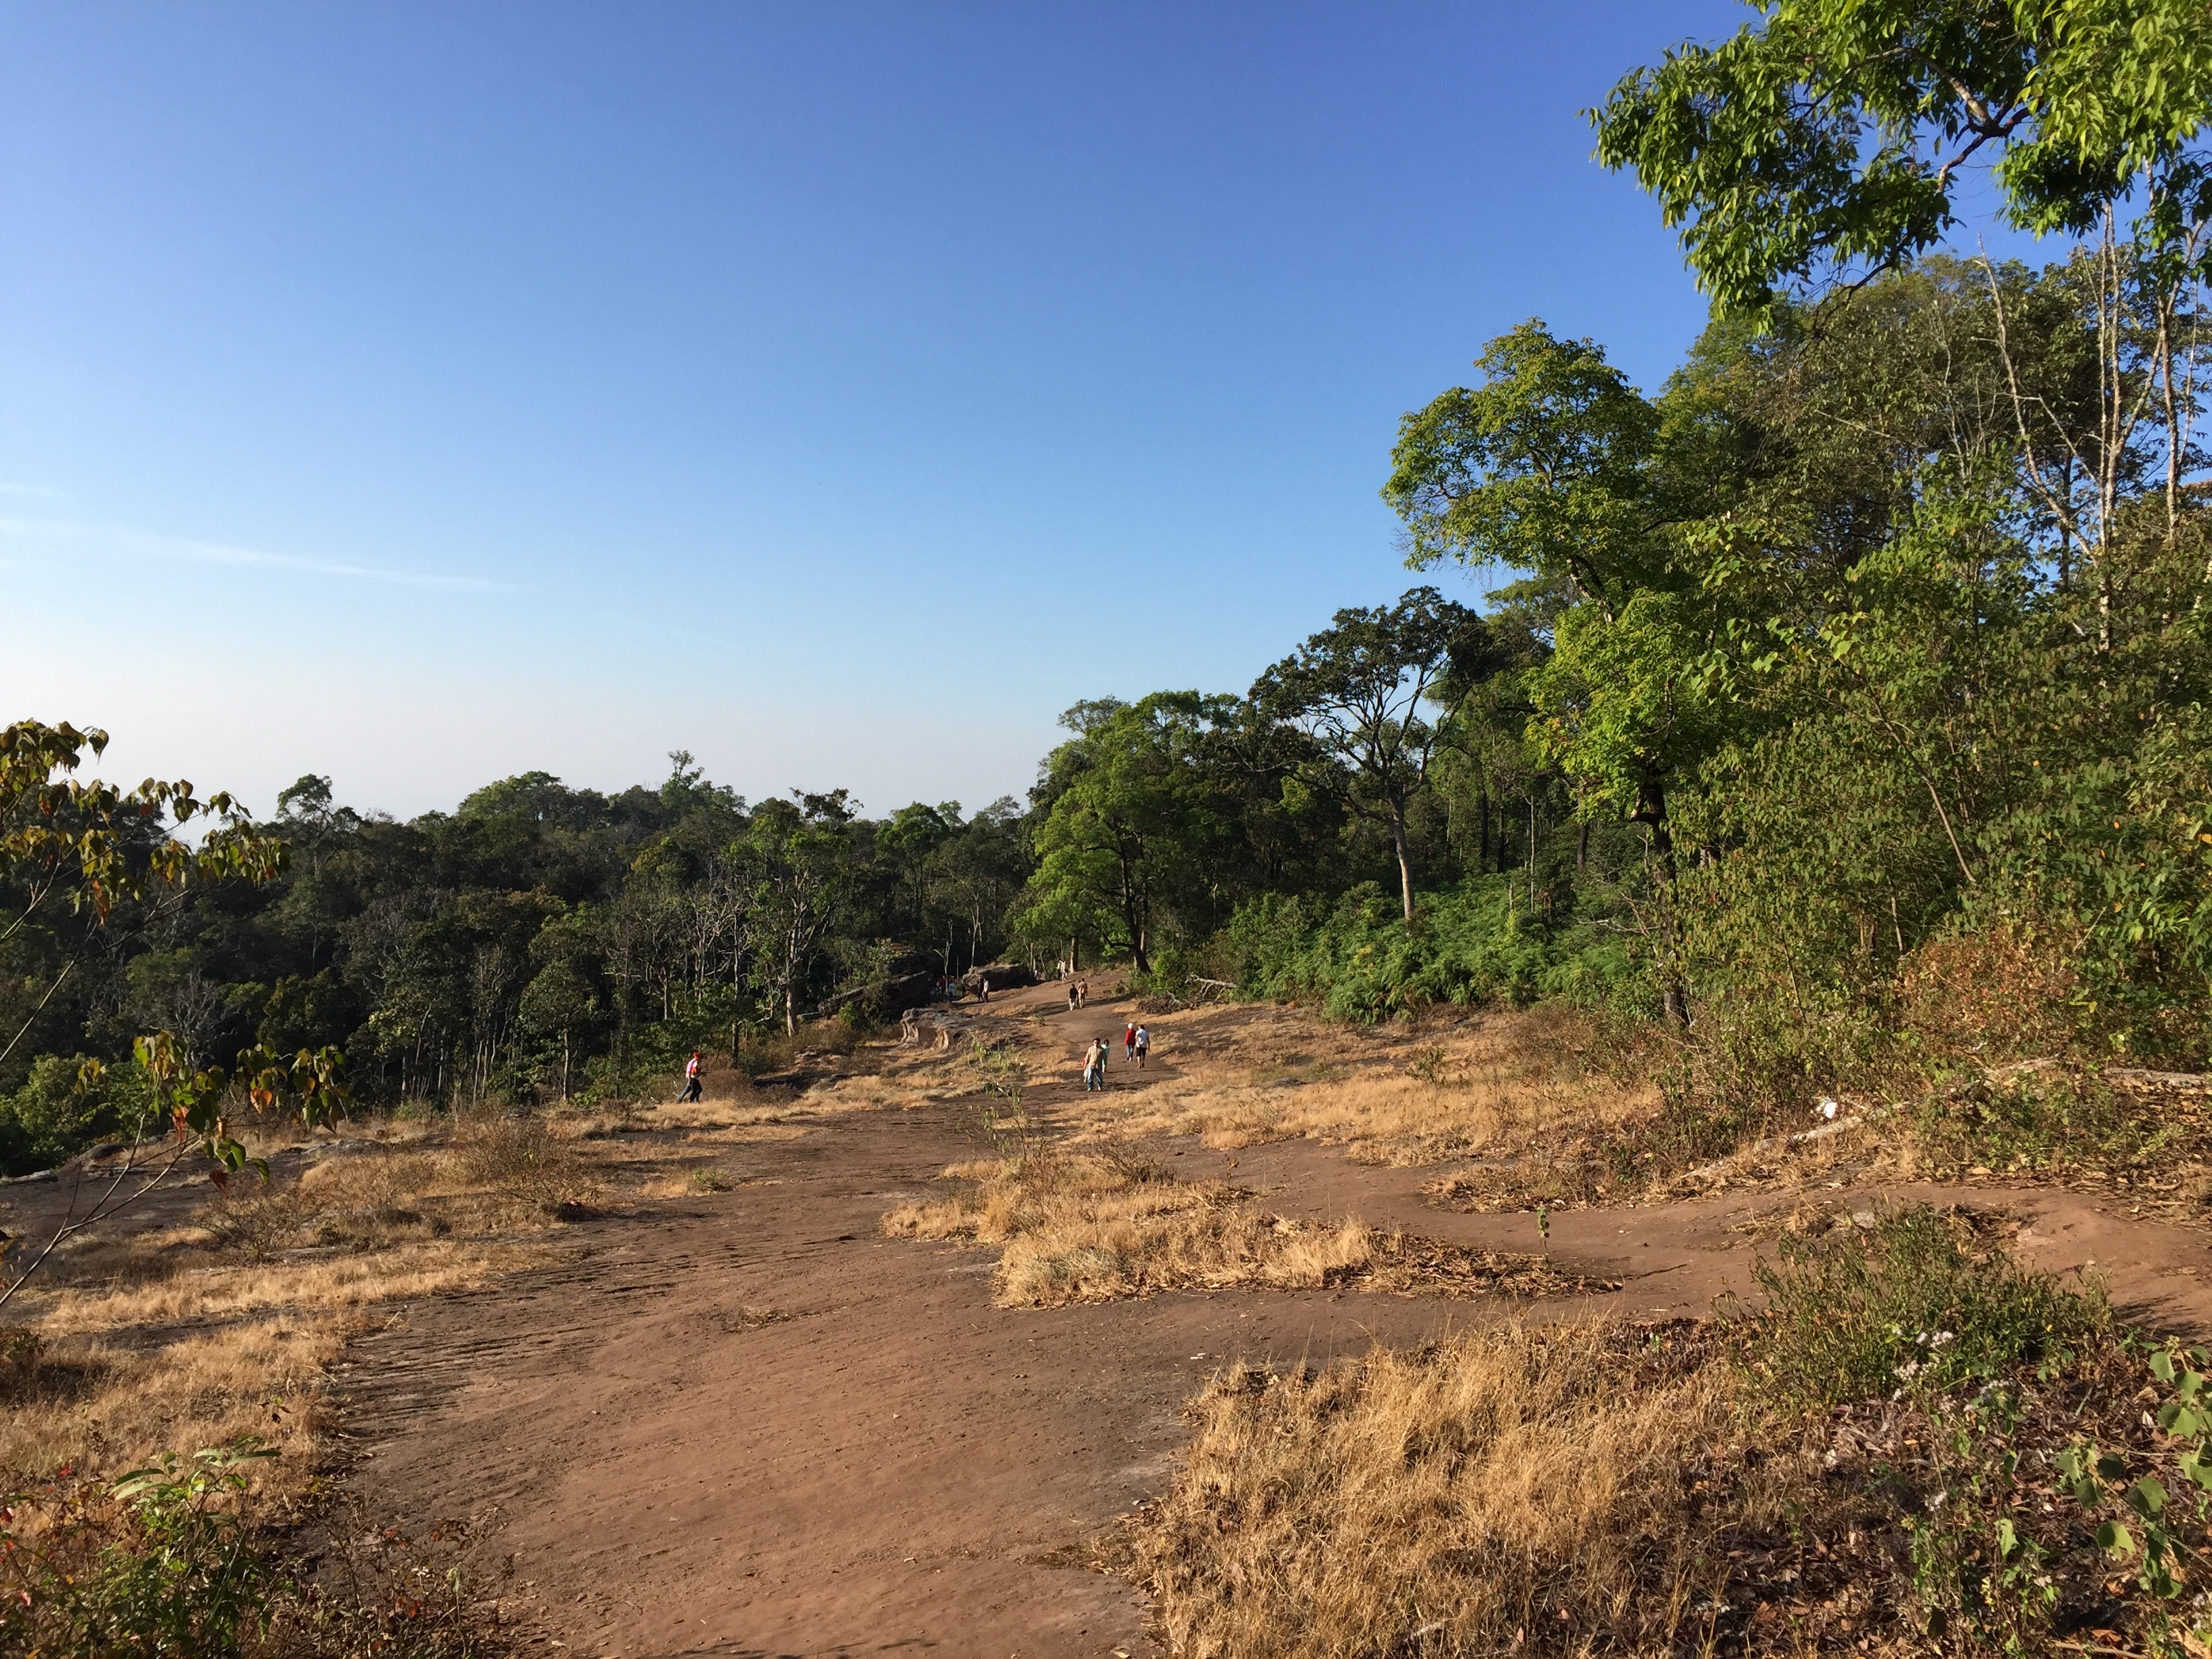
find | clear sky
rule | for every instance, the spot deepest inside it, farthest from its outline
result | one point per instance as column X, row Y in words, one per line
column 420, row 394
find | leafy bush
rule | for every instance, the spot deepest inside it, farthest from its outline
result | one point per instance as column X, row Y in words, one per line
column 1477, row 942
column 170, row 1561
column 157, row 1564
column 1856, row 1314
column 51, row 1118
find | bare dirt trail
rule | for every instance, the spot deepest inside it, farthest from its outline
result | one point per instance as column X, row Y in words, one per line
column 745, row 1423
column 886, row 1463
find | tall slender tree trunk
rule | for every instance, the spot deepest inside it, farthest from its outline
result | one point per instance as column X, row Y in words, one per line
column 1651, row 810
column 1670, row 989
column 1404, row 862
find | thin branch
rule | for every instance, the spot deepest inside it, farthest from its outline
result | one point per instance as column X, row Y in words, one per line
column 40, row 1009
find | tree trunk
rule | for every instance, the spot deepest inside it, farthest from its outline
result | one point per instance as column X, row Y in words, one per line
column 790, row 1011
column 1652, row 809
column 1482, row 818
column 1404, row 862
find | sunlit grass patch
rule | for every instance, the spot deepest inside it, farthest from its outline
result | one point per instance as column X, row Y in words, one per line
column 1510, row 1492
column 1089, row 1225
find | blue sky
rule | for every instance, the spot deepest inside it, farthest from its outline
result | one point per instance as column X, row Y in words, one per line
column 422, row 394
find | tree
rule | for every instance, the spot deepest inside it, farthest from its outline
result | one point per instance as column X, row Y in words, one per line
column 556, row 1002
column 1832, row 139
column 795, row 857
column 1545, row 467
column 972, row 875
column 1355, row 691
column 1123, row 819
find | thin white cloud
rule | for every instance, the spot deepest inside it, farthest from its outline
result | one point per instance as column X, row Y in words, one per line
column 108, row 538
column 41, row 492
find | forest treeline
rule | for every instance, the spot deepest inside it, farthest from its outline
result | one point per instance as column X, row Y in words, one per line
column 1846, row 692
column 1838, row 707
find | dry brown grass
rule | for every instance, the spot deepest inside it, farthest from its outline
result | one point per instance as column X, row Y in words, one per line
column 197, row 1321
column 1086, row 1227
column 1523, row 1491
column 1091, row 1225
column 1399, row 1095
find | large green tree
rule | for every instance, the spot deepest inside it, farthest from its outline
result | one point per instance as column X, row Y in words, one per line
column 1836, row 137
column 1125, row 820
column 1358, row 691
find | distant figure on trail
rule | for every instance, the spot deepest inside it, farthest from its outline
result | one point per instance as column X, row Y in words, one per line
column 1082, row 992
column 1129, row 1041
column 1071, row 998
column 1144, row 1041
column 692, row 1067
column 987, row 987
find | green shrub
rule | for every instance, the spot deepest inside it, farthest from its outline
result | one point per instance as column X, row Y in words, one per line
column 51, row 1117
column 1862, row 1310
column 1477, row 942
column 171, row 1562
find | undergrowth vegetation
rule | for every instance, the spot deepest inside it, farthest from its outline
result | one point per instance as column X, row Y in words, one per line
column 1914, row 1446
column 166, row 1560
column 1486, row 941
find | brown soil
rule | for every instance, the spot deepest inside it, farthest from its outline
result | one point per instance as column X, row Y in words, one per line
column 746, row 1423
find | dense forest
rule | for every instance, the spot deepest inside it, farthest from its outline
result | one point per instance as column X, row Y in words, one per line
column 1839, row 708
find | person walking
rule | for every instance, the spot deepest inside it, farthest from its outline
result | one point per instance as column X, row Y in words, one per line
column 1094, row 1066
column 692, row 1067
column 1129, row 1041
column 1071, row 998
column 1144, row 1041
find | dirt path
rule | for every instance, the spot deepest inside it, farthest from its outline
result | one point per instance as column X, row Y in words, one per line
column 887, row 1461
column 747, row 1424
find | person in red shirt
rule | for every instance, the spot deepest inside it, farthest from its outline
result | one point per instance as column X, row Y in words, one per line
column 692, row 1067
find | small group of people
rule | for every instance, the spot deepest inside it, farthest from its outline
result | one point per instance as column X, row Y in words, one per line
column 1078, row 993
column 1136, row 1044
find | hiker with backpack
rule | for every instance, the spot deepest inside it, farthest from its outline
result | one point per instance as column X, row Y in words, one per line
column 1143, row 1042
